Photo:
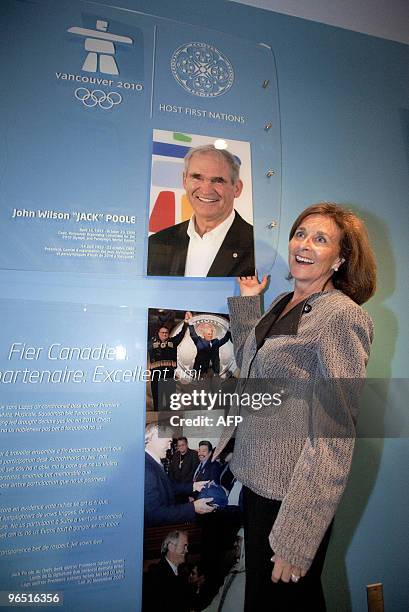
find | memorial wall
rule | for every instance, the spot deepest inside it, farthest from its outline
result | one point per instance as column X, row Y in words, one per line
column 100, row 107
column 105, row 105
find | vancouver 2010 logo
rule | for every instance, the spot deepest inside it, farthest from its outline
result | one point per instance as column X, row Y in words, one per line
column 202, row 70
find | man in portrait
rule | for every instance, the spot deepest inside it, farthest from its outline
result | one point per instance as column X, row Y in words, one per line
column 163, row 586
column 207, row 469
column 160, row 505
column 216, row 241
column 162, row 350
column 184, row 462
column 207, row 360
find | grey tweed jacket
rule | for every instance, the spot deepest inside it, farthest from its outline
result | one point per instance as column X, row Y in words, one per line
column 275, row 454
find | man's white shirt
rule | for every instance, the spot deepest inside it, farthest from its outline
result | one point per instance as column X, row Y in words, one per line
column 157, row 459
column 173, row 566
column 202, row 250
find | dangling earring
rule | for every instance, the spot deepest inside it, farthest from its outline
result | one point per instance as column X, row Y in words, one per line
column 336, row 268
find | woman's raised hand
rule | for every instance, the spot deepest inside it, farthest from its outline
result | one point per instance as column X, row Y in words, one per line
column 250, row 285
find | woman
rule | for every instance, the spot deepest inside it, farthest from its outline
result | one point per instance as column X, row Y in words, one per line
column 317, row 333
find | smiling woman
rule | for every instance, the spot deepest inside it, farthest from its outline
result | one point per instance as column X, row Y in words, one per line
column 331, row 226
column 318, row 334
column 314, row 250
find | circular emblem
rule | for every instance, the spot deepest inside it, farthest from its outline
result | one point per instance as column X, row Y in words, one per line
column 187, row 350
column 202, row 70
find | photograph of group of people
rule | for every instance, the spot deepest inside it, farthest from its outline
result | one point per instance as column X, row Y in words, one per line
column 193, row 537
column 278, row 492
column 184, row 347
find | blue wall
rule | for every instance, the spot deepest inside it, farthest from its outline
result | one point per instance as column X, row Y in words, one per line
column 344, row 100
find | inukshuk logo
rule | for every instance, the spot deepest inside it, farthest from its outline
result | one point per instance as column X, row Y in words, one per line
column 202, row 70
column 100, row 47
column 100, row 52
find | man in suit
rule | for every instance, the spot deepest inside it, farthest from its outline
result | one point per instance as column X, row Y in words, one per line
column 163, row 587
column 160, row 506
column 184, row 462
column 207, row 350
column 207, row 469
column 216, row 241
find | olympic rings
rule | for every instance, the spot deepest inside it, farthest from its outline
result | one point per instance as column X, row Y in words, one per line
column 92, row 98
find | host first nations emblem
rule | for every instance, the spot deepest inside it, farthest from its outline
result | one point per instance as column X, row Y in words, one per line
column 202, row 70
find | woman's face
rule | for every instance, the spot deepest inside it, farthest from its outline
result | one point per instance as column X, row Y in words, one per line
column 314, row 251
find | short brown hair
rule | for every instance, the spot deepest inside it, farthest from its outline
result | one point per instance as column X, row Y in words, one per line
column 356, row 276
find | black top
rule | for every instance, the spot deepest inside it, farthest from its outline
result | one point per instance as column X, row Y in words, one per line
column 272, row 325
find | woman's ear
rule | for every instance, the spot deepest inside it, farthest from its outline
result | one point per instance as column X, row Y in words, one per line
column 339, row 263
